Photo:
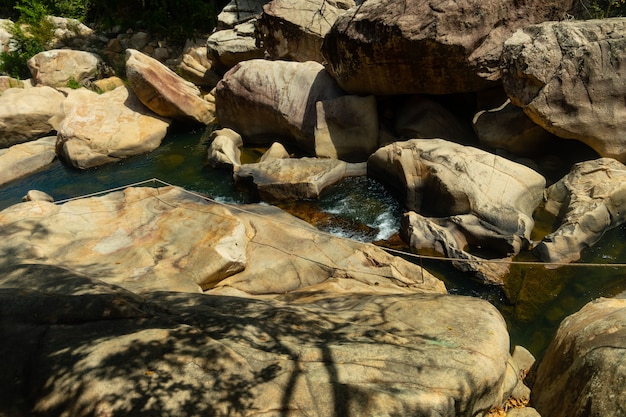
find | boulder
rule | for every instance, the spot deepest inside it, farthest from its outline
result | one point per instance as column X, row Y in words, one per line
column 94, row 129
column 294, row 29
column 450, row 238
column 275, row 151
column 440, row 179
column 395, row 47
column 224, row 151
column 196, row 67
column 569, row 78
column 7, row 82
column 74, row 345
column 25, row 113
column 228, row 47
column 263, row 100
column 587, row 202
column 5, row 34
column 295, row 178
column 147, row 239
column 36, row 195
column 239, row 11
column 26, row 158
column 62, row 67
column 421, row 117
column 584, row 368
column 68, row 32
column 164, row 92
column 504, row 126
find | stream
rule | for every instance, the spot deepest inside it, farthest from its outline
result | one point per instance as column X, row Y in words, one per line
column 534, row 301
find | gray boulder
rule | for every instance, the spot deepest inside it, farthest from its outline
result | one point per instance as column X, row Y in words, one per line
column 228, row 47
column 394, row 47
column 583, row 371
column 569, row 78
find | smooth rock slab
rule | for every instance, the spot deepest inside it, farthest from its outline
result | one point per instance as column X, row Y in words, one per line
column 76, row 346
column 59, row 67
column 301, row 178
column 25, row 158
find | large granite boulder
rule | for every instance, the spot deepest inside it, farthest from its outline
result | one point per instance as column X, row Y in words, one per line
column 299, row 103
column 164, row 92
column 440, row 179
column 295, row 178
column 387, row 47
column 61, row 67
column 25, row 158
column 569, row 78
column 587, row 202
column 94, row 129
column 196, row 67
column 228, row 47
column 166, row 239
column 25, row 113
column 73, row 345
column 583, row 371
column 295, row 29
column 239, row 11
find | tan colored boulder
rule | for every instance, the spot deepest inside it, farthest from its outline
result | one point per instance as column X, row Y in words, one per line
column 61, row 67
column 587, row 202
column 298, row 102
column 384, row 47
column 26, row 158
column 295, row 178
column 164, row 92
column 225, row 149
column 36, row 195
column 7, row 82
column 108, row 84
column 584, row 368
column 196, row 67
column 89, row 346
column 294, row 29
column 444, row 179
column 569, row 78
column 228, row 47
column 275, row 151
column 25, row 113
column 94, row 129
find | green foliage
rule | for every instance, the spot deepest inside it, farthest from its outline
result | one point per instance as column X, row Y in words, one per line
column 601, row 9
column 31, row 33
column 73, row 84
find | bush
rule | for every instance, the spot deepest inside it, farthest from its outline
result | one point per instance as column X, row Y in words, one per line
column 601, row 9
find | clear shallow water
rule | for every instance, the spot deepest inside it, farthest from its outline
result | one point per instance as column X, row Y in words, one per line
column 533, row 303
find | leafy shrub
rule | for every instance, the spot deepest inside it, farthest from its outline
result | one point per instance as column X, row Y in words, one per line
column 601, row 9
